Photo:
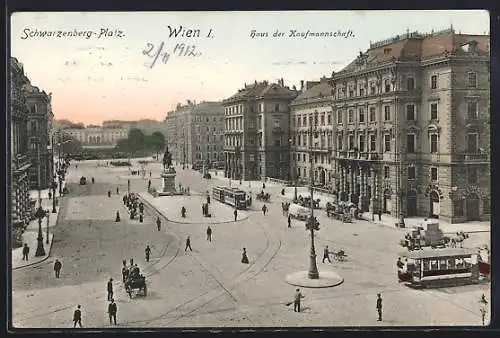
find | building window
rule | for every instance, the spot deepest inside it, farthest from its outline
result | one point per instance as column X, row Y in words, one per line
column 329, row 119
column 322, row 120
column 361, row 92
column 277, row 107
column 372, row 114
column 410, row 143
column 304, row 121
column 410, row 112
column 472, row 175
column 361, row 143
column 340, row 143
column 361, row 115
column 387, row 113
column 298, row 121
column 434, row 79
column 387, row 86
column 411, row 173
column 372, row 90
column 277, row 123
column 350, row 116
column 410, row 84
column 351, row 93
column 339, row 116
column 434, row 174
column 471, row 80
column 472, row 110
column 472, row 142
column 434, row 143
column 387, row 171
column 486, row 205
column 387, row 142
column 351, row 142
column 434, row 111
column 373, row 142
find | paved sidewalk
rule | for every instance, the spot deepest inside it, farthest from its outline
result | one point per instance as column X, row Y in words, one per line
column 170, row 208
column 30, row 237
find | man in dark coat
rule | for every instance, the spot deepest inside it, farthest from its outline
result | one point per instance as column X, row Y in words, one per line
column 112, row 309
column 264, row 209
column 326, row 255
column 235, row 212
column 209, row 234
column 77, row 317
column 57, row 267
column 110, row 289
column 158, row 223
column 296, row 302
column 148, row 253
column 379, row 307
column 26, row 251
column 188, row 244
column 289, row 221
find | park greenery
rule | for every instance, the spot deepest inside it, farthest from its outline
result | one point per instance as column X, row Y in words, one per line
column 137, row 143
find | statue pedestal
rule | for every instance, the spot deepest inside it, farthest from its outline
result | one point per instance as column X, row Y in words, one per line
column 168, row 176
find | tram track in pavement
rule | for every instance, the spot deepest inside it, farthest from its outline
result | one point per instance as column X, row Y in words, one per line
column 217, row 294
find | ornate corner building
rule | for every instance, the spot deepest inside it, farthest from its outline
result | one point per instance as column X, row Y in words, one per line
column 19, row 151
column 256, row 132
column 407, row 128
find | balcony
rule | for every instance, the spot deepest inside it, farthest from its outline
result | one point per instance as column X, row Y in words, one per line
column 278, row 130
column 476, row 157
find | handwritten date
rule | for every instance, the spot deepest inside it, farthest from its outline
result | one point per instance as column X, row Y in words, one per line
column 180, row 50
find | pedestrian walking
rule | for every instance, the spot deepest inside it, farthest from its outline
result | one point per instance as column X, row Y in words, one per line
column 158, row 223
column 235, row 212
column 209, row 234
column 379, row 307
column 263, row 185
column 150, row 173
column 109, row 193
column 379, row 214
column 110, row 289
column 148, row 252
column 289, row 221
column 57, row 267
column 117, row 190
column 149, row 184
column 244, row 257
column 326, row 254
column 188, row 244
column 93, row 180
column 141, row 217
column 296, row 301
column 112, row 309
column 26, row 251
column 77, row 317
column 131, row 262
column 50, row 195
column 264, row 209
column 125, row 273
column 117, row 219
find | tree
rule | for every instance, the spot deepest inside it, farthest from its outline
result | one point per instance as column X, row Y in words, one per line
column 68, row 144
column 156, row 142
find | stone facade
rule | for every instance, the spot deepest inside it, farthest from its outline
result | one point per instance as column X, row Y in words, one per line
column 40, row 118
column 256, row 134
column 98, row 136
column 195, row 133
column 411, row 127
column 315, row 97
column 19, row 151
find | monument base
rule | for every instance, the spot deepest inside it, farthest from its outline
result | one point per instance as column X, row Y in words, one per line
column 168, row 186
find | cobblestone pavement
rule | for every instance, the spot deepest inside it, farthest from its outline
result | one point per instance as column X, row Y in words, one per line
column 209, row 286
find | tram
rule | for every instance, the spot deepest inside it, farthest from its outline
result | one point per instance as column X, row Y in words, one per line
column 439, row 267
column 232, row 196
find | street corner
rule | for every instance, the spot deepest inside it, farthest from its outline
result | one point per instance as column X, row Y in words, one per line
column 30, row 238
column 170, row 207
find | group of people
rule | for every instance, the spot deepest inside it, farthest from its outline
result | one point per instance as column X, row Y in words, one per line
column 132, row 272
column 132, row 202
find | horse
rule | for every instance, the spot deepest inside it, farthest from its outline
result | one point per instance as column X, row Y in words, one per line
column 458, row 238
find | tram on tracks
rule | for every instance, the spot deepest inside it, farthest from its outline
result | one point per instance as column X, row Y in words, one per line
column 232, row 196
column 440, row 267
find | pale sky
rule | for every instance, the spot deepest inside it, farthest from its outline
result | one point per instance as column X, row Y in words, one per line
column 108, row 77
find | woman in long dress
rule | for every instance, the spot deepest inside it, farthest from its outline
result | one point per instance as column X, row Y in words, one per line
column 244, row 257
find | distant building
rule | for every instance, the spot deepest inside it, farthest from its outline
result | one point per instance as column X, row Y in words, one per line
column 195, row 133
column 256, row 131
column 98, row 136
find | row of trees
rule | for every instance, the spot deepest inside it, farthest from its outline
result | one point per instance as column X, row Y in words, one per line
column 139, row 143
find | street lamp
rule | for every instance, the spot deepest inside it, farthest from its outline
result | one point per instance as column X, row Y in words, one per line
column 312, row 223
column 40, row 213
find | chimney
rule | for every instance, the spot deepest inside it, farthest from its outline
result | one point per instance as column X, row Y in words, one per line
column 301, row 85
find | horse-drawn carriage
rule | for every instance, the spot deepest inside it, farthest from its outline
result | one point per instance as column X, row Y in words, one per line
column 432, row 237
column 265, row 197
column 135, row 285
column 339, row 256
column 306, row 202
column 343, row 211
